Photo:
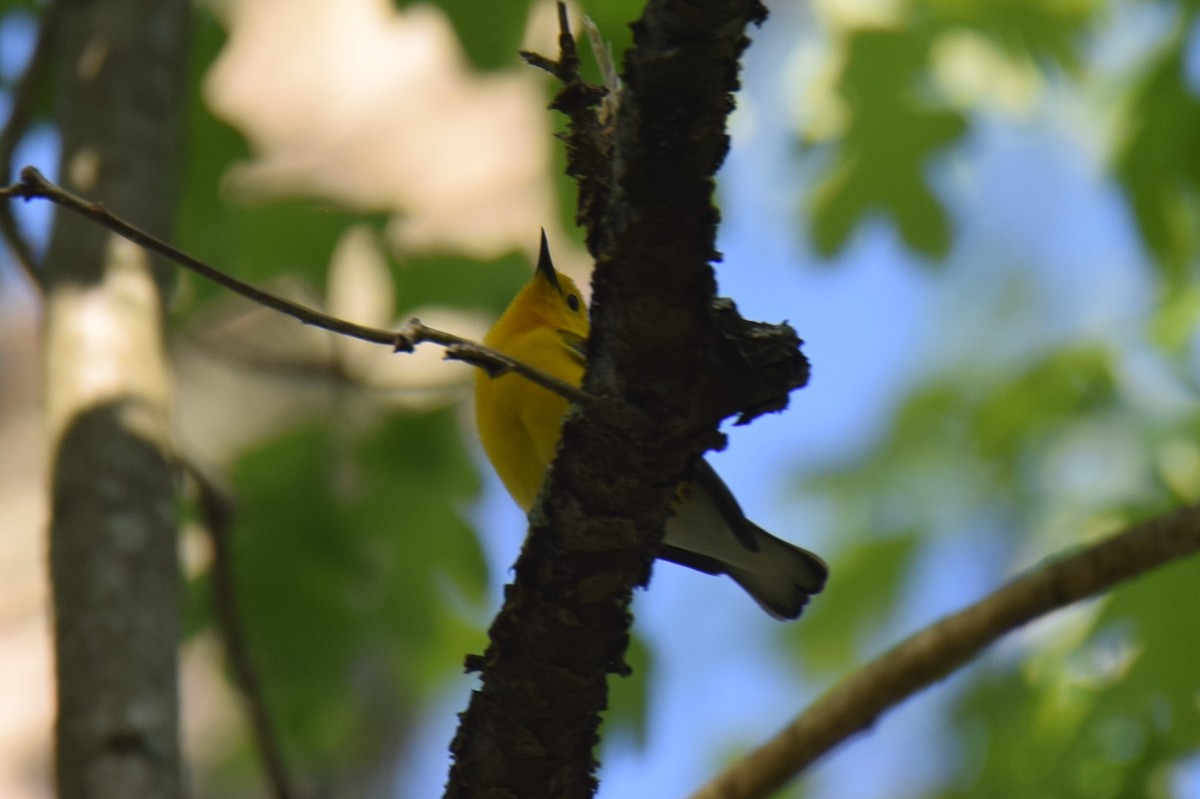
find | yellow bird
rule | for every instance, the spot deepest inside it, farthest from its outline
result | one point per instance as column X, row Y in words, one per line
column 519, row 422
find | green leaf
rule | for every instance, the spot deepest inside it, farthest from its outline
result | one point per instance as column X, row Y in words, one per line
column 25, row 13
column 350, row 562
column 414, row 477
column 628, row 697
column 1048, row 393
column 857, row 604
column 461, row 282
column 1024, row 29
column 18, row 5
column 891, row 137
column 1100, row 720
column 1176, row 319
column 1156, row 613
column 1159, row 162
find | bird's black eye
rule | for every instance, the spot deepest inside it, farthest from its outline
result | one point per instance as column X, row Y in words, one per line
column 572, row 302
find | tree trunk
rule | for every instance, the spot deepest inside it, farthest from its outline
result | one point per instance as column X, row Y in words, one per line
column 121, row 95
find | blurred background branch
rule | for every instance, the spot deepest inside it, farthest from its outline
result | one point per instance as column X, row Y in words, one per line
column 932, row 654
column 114, row 570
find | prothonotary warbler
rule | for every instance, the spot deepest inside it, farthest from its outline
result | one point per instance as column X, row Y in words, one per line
column 546, row 326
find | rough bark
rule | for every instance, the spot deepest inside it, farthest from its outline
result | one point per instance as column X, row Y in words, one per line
column 666, row 366
column 120, row 95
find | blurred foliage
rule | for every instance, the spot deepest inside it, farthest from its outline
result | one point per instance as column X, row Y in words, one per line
column 984, row 455
column 1100, row 719
column 359, row 604
column 1032, row 454
column 362, row 582
column 350, row 559
column 873, row 173
column 491, row 33
column 17, row 17
column 255, row 242
column 1159, row 161
column 628, row 700
column 898, row 122
column 459, row 282
column 1037, row 30
column 857, row 606
column 7, row 6
column 972, row 445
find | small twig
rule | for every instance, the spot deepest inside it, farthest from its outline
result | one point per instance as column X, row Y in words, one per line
column 938, row 650
column 20, row 114
column 566, row 67
column 538, row 61
column 34, row 184
column 216, row 510
column 589, row 139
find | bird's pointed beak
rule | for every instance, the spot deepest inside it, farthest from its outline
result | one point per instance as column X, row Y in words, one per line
column 545, row 266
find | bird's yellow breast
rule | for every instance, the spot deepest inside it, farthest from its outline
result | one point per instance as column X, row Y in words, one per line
column 519, row 421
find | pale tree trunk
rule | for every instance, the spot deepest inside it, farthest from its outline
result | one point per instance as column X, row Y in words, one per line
column 121, row 97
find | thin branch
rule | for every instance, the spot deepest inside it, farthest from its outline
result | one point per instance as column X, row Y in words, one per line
column 589, row 139
column 19, row 117
column 34, row 184
column 216, row 509
column 566, row 66
column 937, row 651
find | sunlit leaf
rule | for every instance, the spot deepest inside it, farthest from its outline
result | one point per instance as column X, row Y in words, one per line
column 1028, row 29
column 893, row 133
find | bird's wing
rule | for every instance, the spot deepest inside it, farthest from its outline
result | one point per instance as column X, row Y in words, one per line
column 576, row 346
column 706, row 479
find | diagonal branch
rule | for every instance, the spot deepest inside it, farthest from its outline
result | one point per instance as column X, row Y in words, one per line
column 937, row 651
column 34, row 184
column 216, row 510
